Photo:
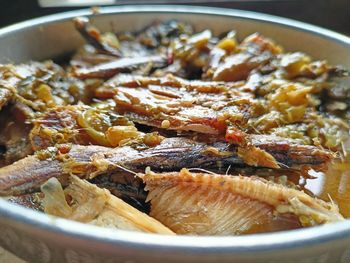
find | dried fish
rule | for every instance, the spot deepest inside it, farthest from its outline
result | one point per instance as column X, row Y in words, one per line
column 109, row 69
column 171, row 154
column 199, row 106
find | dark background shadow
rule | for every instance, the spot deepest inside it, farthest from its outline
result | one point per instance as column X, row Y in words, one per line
column 332, row 14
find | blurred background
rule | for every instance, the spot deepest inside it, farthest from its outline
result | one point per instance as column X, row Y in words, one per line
column 332, row 14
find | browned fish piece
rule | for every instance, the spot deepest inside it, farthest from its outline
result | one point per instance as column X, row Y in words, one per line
column 289, row 152
column 133, row 81
column 93, row 36
column 212, row 204
column 178, row 104
column 29, row 173
column 61, row 125
column 42, row 85
column 109, row 69
column 170, row 155
column 93, row 205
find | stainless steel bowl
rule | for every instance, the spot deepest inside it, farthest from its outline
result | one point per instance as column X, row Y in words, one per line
column 37, row 237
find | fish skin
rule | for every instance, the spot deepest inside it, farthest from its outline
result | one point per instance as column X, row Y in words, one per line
column 201, row 106
column 290, row 152
column 172, row 154
column 93, row 37
column 109, row 69
column 29, row 173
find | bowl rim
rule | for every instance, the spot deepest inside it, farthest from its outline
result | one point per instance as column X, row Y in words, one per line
column 16, row 215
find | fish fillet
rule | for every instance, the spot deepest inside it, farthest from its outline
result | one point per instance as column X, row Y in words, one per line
column 171, row 154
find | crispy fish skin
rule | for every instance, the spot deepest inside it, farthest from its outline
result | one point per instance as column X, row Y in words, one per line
column 58, row 125
column 171, row 154
column 286, row 151
column 120, row 62
column 89, row 161
column 63, row 121
column 289, row 152
column 133, row 81
column 93, row 36
column 109, row 69
column 93, row 205
column 174, row 103
column 212, row 204
column 29, row 173
column 255, row 51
